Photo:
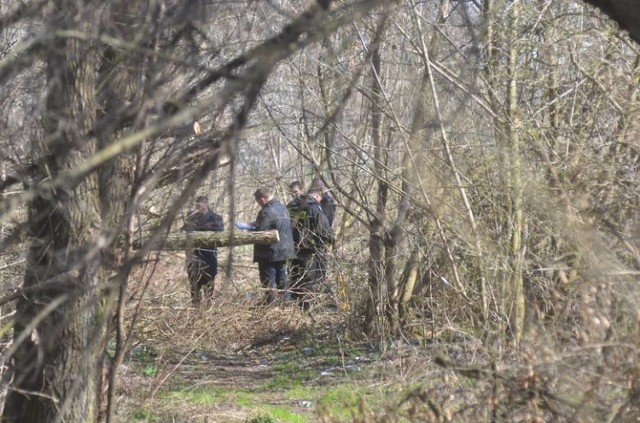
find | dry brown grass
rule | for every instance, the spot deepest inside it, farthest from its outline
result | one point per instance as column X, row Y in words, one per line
column 165, row 315
column 238, row 350
column 236, row 359
column 227, row 345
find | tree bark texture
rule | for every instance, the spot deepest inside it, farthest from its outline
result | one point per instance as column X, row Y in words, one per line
column 515, row 301
column 378, row 296
column 61, row 328
column 57, row 354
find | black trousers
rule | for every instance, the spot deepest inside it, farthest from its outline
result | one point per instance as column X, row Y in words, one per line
column 273, row 277
column 202, row 277
column 308, row 274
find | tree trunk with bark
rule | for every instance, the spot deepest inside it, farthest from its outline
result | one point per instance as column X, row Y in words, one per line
column 515, row 299
column 62, row 324
column 376, row 303
column 58, row 350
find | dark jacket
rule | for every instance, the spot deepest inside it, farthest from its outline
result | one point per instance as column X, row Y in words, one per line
column 296, row 213
column 274, row 215
column 312, row 230
column 208, row 221
column 329, row 204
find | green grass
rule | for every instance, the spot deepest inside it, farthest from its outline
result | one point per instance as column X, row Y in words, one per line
column 283, row 398
column 341, row 393
column 284, row 415
column 200, row 396
column 339, row 401
column 288, row 375
column 301, row 392
column 144, row 415
column 281, row 382
column 150, row 369
column 243, row 398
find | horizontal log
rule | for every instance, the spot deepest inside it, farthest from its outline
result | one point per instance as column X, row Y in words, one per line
column 205, row 239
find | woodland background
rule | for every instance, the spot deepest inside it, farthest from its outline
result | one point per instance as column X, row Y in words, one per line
column 484, row 154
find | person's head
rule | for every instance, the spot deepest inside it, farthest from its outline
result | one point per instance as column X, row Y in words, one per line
column 317, row 182
column 263, row 195
column 295, row 188
column 201, row 203
column 315, row 192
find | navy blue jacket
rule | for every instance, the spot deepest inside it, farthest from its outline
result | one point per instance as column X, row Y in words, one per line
column 312, row 231
column 274, row 215
column 208, row 221
column 328, row 204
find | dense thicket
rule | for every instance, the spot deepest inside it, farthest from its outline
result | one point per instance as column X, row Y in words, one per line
column 485, row 157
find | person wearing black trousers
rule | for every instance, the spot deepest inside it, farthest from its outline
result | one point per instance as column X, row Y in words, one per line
column 313, row 238
column 202, row 264
column 272, row 258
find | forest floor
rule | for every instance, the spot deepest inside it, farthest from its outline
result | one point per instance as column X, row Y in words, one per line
column 237, row 361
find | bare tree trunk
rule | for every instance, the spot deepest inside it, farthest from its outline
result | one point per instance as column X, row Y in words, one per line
column 57, row 353
column 516, row 299
column 74, row 227
column 375, row 308
column 408, row 283
column 117, row 186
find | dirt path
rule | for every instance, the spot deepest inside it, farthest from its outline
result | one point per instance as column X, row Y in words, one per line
column 291, row 373
column 239, row 362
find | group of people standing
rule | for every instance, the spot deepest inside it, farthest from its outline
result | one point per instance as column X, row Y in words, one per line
column 292, row 269
column 312, row 217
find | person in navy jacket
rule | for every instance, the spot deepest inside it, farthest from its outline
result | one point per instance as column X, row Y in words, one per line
column 202, row 264
column 272, row 258
column 313, row 238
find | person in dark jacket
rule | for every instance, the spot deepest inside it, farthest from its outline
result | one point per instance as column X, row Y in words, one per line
column 202, row 264
column 313, row 237
column 295, row 189
column 328, row 201
column 295, row 207
column 272, row 258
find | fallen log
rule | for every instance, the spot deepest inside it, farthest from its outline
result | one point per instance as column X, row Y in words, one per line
column 205, row 239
